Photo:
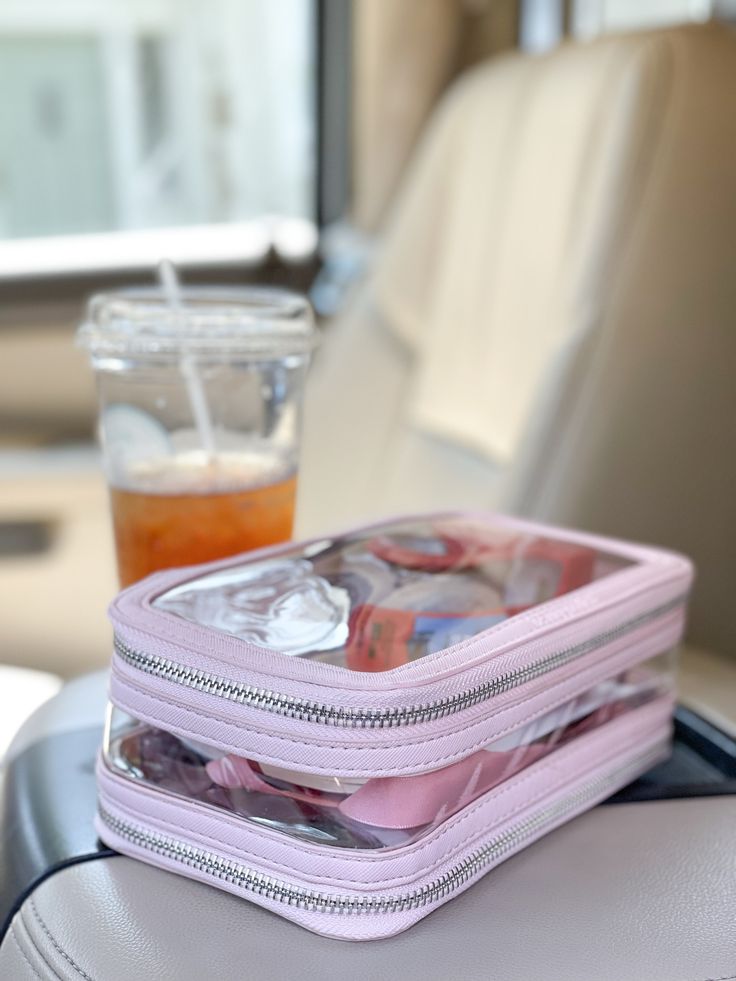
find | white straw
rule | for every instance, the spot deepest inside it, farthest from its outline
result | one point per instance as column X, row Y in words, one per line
column 195, row 390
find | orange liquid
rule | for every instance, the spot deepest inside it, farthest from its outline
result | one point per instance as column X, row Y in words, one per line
column 160, row 531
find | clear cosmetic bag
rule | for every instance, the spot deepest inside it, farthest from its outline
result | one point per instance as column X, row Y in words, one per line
column 350, row 731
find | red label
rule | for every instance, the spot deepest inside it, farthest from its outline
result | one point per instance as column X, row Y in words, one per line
column 379, row 637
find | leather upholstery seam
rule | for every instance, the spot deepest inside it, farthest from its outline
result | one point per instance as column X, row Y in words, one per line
column 13, row 933
column 14, row 937
column 52, row 940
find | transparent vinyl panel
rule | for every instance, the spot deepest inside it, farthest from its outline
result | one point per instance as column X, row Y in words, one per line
column 375, row 813
column 376, row 599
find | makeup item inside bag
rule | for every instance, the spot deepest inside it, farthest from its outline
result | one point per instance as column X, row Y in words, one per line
column 351, row 730
column 375, row 813
column 373, row 603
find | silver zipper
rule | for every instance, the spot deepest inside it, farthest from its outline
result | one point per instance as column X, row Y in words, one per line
column 307, row 899
column 359, row 718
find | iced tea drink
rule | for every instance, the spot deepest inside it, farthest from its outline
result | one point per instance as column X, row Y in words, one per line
column 211, row 516
column 240, row 357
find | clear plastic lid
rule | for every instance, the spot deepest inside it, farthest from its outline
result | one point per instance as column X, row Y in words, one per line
column 377, row 599
column 207, row 323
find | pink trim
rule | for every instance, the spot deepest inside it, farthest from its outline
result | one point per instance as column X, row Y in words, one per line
column 417, row 751
column 378, row 752
column 657, row 573
column 390, row 871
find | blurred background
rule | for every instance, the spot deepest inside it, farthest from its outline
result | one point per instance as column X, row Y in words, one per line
column 319, row 144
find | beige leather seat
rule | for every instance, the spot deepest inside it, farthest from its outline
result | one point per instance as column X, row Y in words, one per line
column 550, row 324
column 549, row 328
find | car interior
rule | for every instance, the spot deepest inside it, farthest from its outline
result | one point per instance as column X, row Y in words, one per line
column 514, row 224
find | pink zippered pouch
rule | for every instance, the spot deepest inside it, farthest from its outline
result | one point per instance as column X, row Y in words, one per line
column 351, row 730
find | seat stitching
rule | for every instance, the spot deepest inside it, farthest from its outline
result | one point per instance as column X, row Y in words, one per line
column 67, row 957
column 30, row 940
column 13, row 935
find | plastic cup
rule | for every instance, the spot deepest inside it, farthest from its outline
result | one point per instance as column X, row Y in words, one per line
column 199, row 423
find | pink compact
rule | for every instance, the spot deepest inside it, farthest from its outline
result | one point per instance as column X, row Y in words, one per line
column 351, row 730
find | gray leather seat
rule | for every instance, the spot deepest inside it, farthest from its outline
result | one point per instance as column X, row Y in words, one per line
column 631, row 892
column 637, row 892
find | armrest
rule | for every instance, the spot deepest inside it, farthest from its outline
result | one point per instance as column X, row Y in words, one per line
column 643, row 892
